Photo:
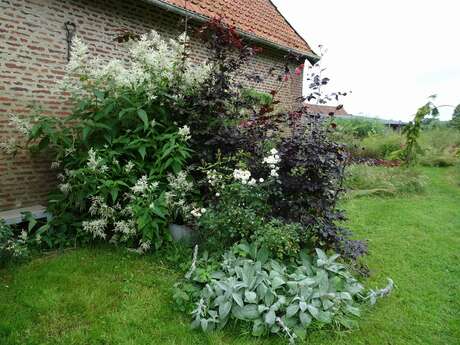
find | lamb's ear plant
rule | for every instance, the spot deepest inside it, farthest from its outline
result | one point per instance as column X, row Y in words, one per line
column 277, row 297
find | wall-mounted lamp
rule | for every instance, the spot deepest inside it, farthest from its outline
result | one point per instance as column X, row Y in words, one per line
column 71, row 29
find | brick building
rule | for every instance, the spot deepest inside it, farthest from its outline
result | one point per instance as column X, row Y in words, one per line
column 34, row 48
column 325, row 110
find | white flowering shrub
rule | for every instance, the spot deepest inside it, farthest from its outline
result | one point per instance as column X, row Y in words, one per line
column 182, row 203
column 12, row 245
column 17, row 241
column 239, row 208
column 120, row 156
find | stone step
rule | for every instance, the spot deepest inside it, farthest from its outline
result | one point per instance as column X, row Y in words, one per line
column 15, row 216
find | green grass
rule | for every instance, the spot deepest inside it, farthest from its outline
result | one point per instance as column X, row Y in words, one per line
column 105, row 296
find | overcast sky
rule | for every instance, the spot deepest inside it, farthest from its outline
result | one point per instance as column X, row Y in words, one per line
column 391, row 54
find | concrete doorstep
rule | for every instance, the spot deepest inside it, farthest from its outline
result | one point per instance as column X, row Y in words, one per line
column 16, row 216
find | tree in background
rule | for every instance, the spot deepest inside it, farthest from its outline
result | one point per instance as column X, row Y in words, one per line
column 455, row 122
column 413, row 129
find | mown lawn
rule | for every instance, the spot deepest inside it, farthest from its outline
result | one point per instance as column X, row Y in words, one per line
column 104, row 296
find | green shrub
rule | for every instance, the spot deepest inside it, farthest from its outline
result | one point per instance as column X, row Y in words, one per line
column 17, row 241
column 239, row 211
column 440, row 147
column 364, row 180
column 375, row 146
column 360, row 127
column 380, row 146
column 256, row 98
column 222, row 226
column 282, row 239
column 12, row 245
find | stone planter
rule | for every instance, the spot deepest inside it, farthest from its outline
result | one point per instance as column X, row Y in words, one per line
column 182, row 233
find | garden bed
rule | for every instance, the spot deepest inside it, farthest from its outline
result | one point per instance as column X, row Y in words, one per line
column 104, row 295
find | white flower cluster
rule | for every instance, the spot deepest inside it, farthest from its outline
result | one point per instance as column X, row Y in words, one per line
column 116, row 72
column 24, row 126
column 272, row 161
column 184, row 132
column 213, row 177
column 106, row 215
column 100, row 208
column 10, row 146
column 17, row 247
column 95, row 162
column 96, row 227
column 126, row 227
column 144, row 246
column 244, row 176
column 179, row 183
column 55, row 165
column 128, row 167
column 143, row 186
column 198, row 212
column 152, row 61
column 65, row 188
column 179, row 190
column 79, row 58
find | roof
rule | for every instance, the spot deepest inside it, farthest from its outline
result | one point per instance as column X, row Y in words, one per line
column 259, row 18
column 370, row 118
column 325, row 109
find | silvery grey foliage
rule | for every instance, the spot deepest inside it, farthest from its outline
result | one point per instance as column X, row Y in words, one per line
column 192, row 269
column 375, row 294
column 278, row 298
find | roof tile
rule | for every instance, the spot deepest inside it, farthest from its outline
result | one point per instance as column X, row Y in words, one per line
column 324, row 109
column 259, row 17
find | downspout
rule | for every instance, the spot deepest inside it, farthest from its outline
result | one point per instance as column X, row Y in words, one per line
column 312, row 58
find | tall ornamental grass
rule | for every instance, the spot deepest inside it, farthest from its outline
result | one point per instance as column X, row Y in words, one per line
column 364, row 180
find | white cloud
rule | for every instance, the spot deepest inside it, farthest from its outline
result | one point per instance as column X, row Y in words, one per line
column 392, row 54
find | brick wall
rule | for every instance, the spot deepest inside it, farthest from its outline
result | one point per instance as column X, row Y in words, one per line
column 33, row 52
